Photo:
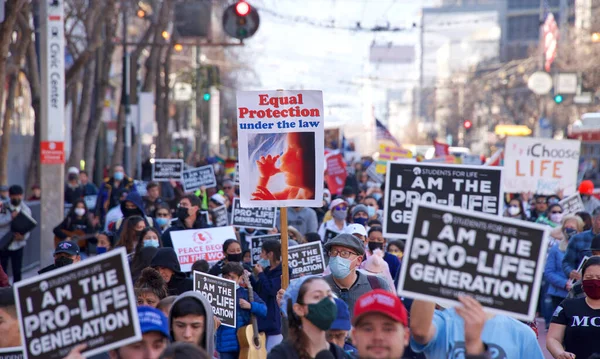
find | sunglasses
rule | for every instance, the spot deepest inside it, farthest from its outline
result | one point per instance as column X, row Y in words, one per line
column 340, row 207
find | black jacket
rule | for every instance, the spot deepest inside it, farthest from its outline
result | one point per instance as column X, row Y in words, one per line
column 167, row 258
column 180, row 226
column 286, row 350
column 47, row 269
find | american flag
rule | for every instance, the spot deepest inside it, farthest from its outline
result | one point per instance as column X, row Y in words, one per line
column 383, row 134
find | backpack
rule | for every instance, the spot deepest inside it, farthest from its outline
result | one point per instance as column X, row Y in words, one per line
column 373, row 282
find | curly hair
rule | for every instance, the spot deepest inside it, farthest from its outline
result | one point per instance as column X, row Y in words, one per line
column 150, row 281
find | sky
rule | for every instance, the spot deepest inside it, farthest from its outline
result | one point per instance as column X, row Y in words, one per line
column 294, row 55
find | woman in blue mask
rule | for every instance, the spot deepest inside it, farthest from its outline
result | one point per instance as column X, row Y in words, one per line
column 149, row 237
column 336, row 225
column 162, row 216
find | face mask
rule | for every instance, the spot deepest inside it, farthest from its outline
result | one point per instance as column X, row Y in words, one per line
column 371, row 211
column 15, row 202
column 151, row 243
column 264, row 262
column 100, row 250
column 585, row 198
column 350, row 200
column 182, row 213
column 119, row 176
column 129, row 212
column 162, row 221
column 556, row 217
column 591, row 287
column 235, row 257
column 72, row 178
column 340, row 267
column 62, row 262
column 570, row 232
column 79, row 212
column 514, row 210
column 361, row 221
column 377, row 196
column 397, row 254
column 322, row 314
column 375, row 245
column 339, row 213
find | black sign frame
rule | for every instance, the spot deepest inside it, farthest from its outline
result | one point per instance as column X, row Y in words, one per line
column 170, row 161
column 218, row 284
column 186, row 178
column 236, row 206
column 293, row 261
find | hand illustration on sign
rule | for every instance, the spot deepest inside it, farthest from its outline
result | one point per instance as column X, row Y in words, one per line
column 296, row 163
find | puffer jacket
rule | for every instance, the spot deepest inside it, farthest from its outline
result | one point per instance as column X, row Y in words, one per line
column 227, row 340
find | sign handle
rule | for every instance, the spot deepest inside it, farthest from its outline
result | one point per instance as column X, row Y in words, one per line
column 283, row 223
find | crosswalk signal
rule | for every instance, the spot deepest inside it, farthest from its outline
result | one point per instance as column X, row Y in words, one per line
column 206, row 96
column 558, row 99
column 240, row 20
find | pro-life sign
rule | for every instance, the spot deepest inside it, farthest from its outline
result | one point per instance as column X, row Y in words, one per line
column 256, row 243
column 306, row 259
column 165, row 169
column 221, row 294
column 91, row 302
column 473, row 188
column 195, row 178
column 253, row 217
column 498, row 261
column 11, row 353
column 572, row 204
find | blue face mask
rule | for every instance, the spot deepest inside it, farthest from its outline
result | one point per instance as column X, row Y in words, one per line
column 119, row 176
column 151, row 243
column 371, row 211
column 264, row 262
column 377, row 196
column 340, row 267
column 360, row 220
column 100, row 250
column 162, row 221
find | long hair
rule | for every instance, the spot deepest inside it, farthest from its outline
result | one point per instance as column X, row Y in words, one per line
column 297, row 336
column 140, row 244
column 128, row 234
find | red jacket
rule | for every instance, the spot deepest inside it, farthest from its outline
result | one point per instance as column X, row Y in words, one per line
column 3, row 278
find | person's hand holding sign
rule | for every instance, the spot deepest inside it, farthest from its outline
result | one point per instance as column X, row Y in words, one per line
column 75, row 353
column 258, row 269
column 474, row 316
column 244, row 304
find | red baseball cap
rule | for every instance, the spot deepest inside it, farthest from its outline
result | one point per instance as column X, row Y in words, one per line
column 383, row 302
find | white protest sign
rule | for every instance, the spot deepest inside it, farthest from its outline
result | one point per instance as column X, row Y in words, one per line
column 91, row 302
column 206, row 243
column 572, row 204
column 281, row 148
column 541, row 166
column 451, row 251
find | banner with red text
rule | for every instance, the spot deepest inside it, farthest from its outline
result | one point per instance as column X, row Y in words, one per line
column 280, row 147
column 336, row 173
column 206, row 243
column 540, row 166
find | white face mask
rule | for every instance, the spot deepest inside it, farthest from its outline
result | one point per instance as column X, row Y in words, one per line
column 514, row 210
column 79, row 212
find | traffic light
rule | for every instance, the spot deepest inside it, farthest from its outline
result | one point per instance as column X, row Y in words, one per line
column 558, row 99
column 206, row 96
column 240, row 20
column 467, row 124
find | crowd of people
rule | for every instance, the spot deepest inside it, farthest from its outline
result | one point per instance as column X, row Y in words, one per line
column 351, row 311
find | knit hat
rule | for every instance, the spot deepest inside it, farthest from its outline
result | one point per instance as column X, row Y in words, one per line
column 359, row 208
column 375, row 263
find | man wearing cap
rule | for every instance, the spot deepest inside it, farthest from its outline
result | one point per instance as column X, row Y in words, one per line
column 586, row 190
column 73, row 189
column 346, row 253
column 14, row 250
column 66, row 253
column 154, row 326
column 338, row 332
column 579, row 247
column 339, row 211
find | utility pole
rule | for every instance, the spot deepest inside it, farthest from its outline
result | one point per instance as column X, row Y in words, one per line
column 52, row 119
column 419, row 93
column 126, row 88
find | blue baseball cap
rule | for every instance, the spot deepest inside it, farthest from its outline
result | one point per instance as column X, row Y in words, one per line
column 153, row 320
column 342, row 320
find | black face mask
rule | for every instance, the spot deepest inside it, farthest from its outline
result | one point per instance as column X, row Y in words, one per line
column 182, row 213
column 375, row 245
column 129, row 212
column 62, row 262
column 15, row 201
column 235, row 257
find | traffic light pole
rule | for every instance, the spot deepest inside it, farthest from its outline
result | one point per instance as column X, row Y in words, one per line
column 125, row 95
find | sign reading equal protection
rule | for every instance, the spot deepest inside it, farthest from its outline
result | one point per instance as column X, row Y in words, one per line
column 473, row 188
column 91, row 302
column 452, row 252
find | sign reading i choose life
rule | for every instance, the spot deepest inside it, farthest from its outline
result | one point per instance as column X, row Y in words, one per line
column 498, row 261
column 473, row 188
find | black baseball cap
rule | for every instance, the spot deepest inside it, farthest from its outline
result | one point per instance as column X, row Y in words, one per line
column 595, row 245
column 67, row 247
column 15, row 190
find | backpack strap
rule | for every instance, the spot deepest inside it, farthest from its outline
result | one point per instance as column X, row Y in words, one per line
column 373, row 282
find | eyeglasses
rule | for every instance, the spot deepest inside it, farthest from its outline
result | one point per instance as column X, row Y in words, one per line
column 340, row 207
column 344, row 254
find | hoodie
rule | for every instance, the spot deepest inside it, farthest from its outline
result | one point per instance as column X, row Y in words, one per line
column 209, row 322
column 179, row 283
column 136, row 199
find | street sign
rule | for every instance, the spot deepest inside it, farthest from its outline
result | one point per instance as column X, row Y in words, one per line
column 540, row 83
column 182, row 91
column 565, row 83
column 52, row 152
column 583, row 98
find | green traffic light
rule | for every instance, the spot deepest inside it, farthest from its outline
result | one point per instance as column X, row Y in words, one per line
column 206, row 97
column 558, row 98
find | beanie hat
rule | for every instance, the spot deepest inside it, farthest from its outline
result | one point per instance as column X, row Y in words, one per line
column 359, row 208
column 586, row 188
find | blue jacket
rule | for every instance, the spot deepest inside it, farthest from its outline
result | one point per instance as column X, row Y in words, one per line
column 267, row 286
column 553, row 273
column 393, row 263
column 227, row 340
column 579, row 247
column 108, row 195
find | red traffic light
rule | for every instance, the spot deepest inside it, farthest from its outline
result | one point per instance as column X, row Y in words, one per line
column 467, row 124
column 242, row 8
